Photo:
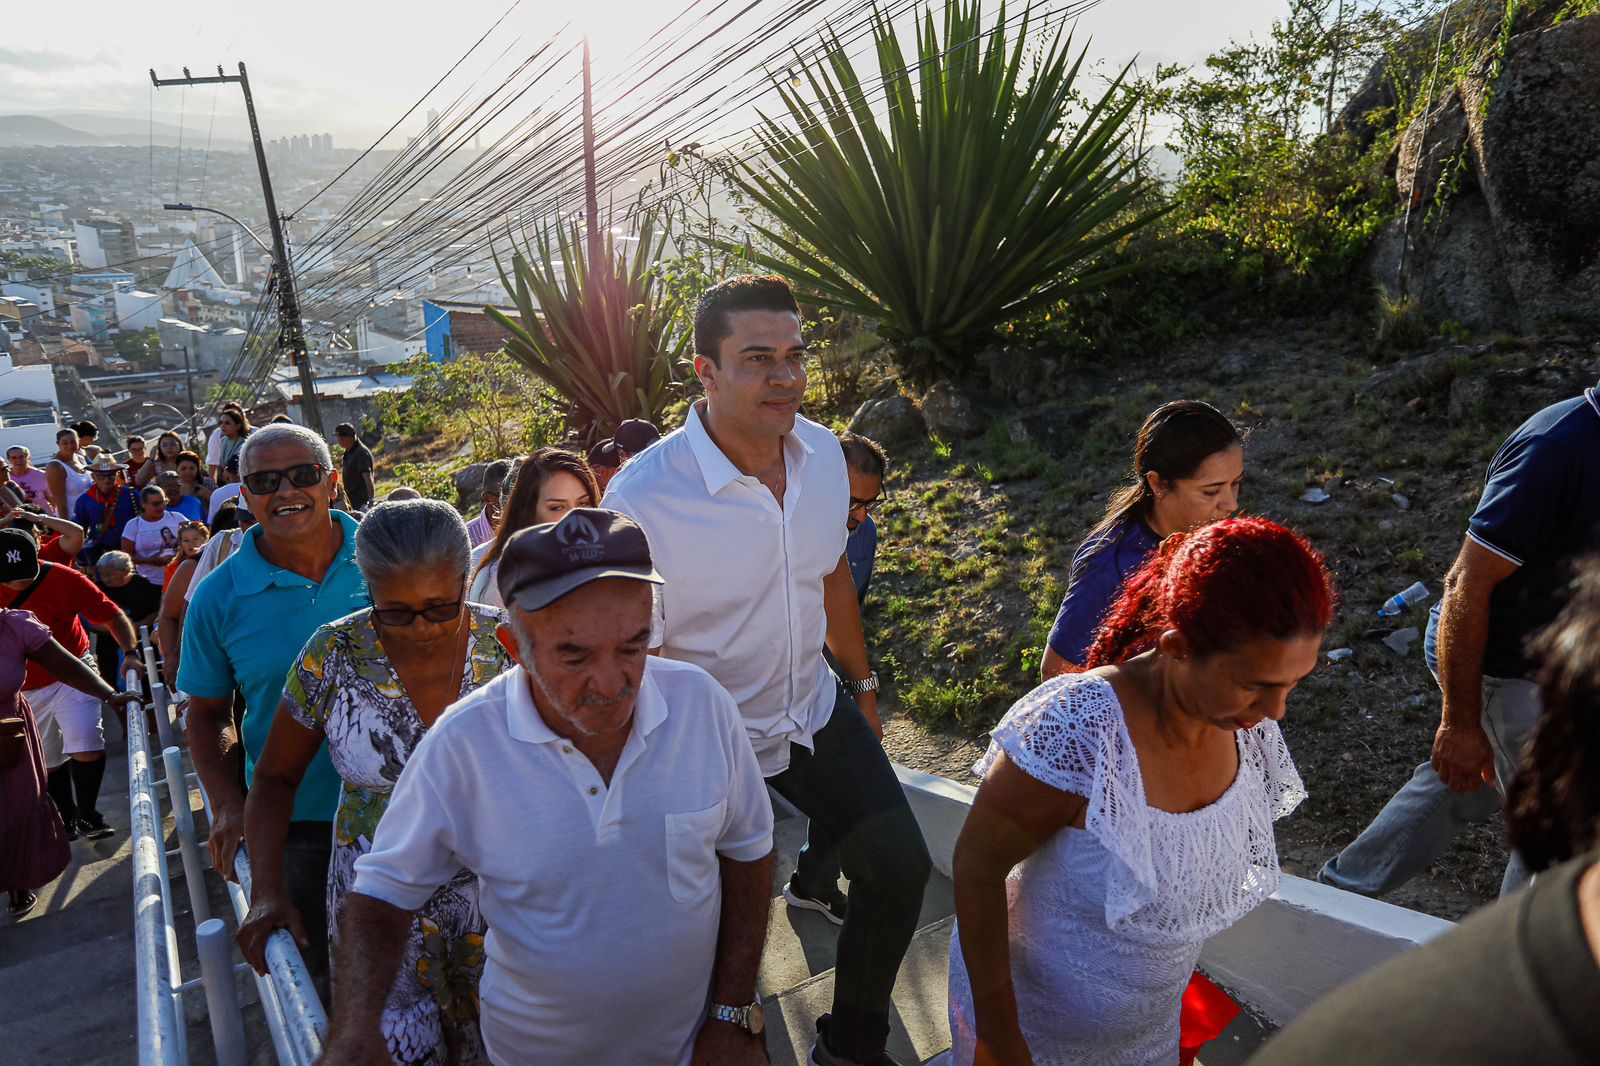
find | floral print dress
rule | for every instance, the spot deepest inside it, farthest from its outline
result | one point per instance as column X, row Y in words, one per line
column 345, row 686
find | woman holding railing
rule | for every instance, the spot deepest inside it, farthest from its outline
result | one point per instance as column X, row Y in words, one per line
column 370, row 685
column 33, row 840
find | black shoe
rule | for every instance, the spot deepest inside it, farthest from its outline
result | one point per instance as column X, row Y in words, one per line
column 822, row 1055
column 94, row 827
column 72, row 828
column 831, row 905
column 21, row 903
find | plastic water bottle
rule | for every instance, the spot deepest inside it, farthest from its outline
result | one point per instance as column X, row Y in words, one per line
column 1401, row 602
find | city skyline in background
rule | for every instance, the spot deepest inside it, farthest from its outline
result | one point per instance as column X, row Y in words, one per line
column 331, row 69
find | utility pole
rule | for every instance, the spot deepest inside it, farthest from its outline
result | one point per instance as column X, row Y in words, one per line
column 291, row 332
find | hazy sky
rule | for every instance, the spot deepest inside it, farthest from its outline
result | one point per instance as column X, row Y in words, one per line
column 351, row 68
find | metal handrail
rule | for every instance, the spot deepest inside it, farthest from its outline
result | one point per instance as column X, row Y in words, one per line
column 161, row 1038
column 296, row 1020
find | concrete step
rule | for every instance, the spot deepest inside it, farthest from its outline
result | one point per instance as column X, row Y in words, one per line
column 796, row 976
column 919, row 1026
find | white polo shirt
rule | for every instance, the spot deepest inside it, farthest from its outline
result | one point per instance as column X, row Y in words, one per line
column 602, row 903
column 743, row 594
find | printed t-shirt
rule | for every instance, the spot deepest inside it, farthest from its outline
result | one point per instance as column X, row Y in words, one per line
column 151, row 537
column 35, row 489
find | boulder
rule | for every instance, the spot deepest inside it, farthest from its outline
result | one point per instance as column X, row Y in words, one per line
column 1516, row 245
column 469, row 483
column 1424, row 377
column 1536, row 150
column 950, row 413
column 1375, row 94
column 1432, row 142
column 894, row 418
column 1019, row 374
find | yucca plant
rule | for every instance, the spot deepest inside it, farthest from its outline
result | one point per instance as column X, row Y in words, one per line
column 970, row 202
column 602, row 336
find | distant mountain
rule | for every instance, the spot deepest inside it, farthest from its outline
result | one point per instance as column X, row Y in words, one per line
column 18, row 130
column 88, row 128
column 118, row 128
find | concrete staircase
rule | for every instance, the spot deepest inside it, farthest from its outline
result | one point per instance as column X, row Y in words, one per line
column 796, row 979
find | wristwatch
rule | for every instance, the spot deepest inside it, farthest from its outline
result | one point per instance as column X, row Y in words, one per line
column 866, row 684
column 751, row 1019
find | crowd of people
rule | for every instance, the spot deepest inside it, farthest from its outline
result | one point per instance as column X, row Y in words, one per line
column 506, row 781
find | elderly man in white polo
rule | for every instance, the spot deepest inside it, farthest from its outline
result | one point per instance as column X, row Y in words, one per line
column 613, row 810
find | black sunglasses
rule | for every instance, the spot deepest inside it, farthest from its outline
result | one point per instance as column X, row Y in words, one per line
column 301, row 476
column 866, row 505
column 398, row 618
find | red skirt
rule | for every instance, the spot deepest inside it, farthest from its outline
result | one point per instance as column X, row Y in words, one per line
column 1207, row 1011
column 33, row 843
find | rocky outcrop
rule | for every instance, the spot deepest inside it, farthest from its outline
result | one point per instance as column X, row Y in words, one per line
column 1536, row 151
column 1516, row 245
column 888, row 420
column 950, row 413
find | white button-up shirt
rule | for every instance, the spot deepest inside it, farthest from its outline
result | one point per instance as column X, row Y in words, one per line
column 743, row 595
column 602, row 902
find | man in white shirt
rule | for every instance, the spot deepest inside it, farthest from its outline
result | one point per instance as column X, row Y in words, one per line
column 614, row 814
column 745, row 508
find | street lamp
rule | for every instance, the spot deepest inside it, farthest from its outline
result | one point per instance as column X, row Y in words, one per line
column 224, row 214
column 181, row 416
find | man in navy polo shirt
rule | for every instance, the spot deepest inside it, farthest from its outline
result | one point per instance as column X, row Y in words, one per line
column 1539, row 512
column 246, row 625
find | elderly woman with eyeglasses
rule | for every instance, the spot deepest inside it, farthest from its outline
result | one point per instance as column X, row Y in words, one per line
column 370, row 685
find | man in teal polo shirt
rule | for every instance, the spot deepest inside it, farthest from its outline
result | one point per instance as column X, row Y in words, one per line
column 247, row 622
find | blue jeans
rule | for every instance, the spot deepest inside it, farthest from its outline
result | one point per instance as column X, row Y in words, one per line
column 848, row 790
column 1417, row 825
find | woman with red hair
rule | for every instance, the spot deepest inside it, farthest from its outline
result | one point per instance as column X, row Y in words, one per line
column 1126, row 813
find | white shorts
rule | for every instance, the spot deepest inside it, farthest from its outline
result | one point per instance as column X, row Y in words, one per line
column 75, row 714
column 49, row 738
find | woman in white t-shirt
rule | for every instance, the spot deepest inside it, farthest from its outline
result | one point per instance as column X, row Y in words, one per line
column 152, row 538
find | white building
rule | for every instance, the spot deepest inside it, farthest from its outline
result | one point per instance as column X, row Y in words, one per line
column 29, row 409
column 102, row 242
column 376, row 346
column 192, row 270
column 136, row 310
column 41, row 296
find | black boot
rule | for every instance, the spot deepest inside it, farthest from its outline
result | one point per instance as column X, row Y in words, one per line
column 59, row 784
column 86, row 778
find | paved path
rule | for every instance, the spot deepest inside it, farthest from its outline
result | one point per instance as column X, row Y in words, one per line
column 67, row 969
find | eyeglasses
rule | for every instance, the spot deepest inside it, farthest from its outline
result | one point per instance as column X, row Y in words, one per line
column 398, row 618
column 301, row 476
column 867, row 506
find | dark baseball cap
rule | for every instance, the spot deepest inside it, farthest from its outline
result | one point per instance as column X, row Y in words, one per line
column 540, row 565
column 605, row 454
column 635, row 435
column 19, row 556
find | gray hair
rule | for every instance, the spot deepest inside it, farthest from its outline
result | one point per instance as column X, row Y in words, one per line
column 495, row 475
column 283, row 433
column 115, row 561
column 398, row 536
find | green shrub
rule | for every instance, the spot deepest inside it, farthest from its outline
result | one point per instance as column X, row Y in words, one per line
column 968, row 204
column 606, row 335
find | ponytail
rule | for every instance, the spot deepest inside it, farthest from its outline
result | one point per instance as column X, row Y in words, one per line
column 1222, row 586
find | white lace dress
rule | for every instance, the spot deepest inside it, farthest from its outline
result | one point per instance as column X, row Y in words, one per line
column 1106, row 922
